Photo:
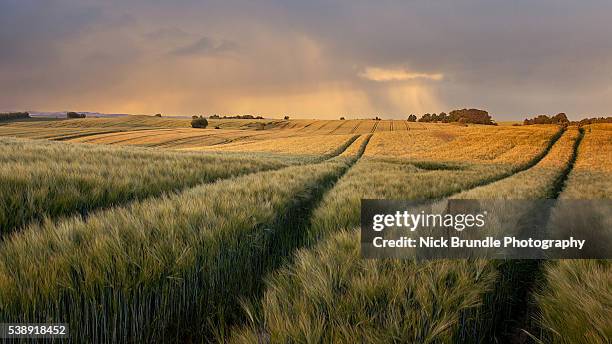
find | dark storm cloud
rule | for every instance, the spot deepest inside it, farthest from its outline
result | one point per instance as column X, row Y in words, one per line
column 321, row 57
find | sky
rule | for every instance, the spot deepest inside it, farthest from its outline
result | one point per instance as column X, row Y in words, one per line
column 307, row 59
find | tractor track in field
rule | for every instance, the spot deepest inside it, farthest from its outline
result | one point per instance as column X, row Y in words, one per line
column 512, row 325
column 307, row 125
column 195, row 138
column 554, row 139
column 336, row 128
column 293, row 225
column 121, row 132
column 374, row 127
column 80, row 135
column 527, row 275
column 85, row 213
column 355, row 127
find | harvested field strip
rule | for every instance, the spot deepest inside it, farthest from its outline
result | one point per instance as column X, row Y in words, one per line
column 42, row 179
column 176, row 261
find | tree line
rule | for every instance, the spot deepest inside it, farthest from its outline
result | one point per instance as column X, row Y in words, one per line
column 474, row 116
column 7, row 116
column 236, row 117
column 562, row 119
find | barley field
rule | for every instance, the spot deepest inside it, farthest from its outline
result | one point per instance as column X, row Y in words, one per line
column 144, row 229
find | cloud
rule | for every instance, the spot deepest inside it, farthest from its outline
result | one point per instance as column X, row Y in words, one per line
column 382, row 74
column 205, row 46
column 513, row 58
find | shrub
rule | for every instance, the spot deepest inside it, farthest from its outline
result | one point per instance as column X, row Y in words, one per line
column 199, row 122
column 286, row 118
column 75, row 115
column 474, row 116
column 425, row 118
column 559, row 118
column 158, row 115
column 412, row 118
column 342, row 118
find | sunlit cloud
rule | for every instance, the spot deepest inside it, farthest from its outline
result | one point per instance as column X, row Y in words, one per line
column 383, row 74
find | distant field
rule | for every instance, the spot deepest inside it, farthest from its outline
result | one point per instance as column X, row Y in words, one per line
column 245, row 233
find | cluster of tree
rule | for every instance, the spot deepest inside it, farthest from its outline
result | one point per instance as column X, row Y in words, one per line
column 474, row 116
column 13, row 115
column 286, row 118
column 236, row 117
column 199, row 122
column 72, row 114
column 559, row 118
column 594, row 120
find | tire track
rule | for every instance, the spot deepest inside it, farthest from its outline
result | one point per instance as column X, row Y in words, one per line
column 355, row 127
column 374, row 127
column 293, row 234
column 526, row 275
column 338, row 127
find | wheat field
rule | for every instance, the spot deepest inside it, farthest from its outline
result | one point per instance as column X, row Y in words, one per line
column 246, row 231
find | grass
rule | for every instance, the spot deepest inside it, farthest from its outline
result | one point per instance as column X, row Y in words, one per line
column 540, row 181
column 330, row 295
column 191, row 239
column 175, row 265
column 472, row 144
column 307, row 145
column 505, row 313
column 590, row 177
column 575, row 304
column 388, row 178
column 41, row 179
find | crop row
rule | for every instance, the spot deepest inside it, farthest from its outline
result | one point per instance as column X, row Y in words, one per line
column 170, row 267
column 41, row 179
